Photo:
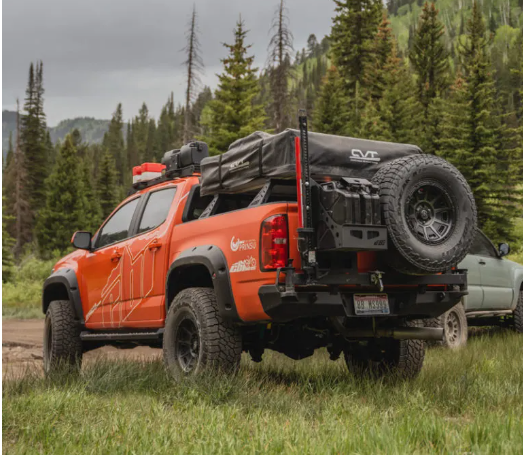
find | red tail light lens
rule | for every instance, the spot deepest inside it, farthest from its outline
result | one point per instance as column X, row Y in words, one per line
column 274, row 243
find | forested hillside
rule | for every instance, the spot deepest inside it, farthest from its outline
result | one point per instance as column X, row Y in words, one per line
column 91, row 129
column 447, row 76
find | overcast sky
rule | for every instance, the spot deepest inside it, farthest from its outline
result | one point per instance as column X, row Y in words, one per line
column 97, row 53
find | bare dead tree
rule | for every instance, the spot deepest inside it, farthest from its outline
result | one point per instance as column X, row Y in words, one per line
column 279, row 61
column 194, row 65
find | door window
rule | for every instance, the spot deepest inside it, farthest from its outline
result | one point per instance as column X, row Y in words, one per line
column 156, row 209
column 117, row 227
column 482, row 246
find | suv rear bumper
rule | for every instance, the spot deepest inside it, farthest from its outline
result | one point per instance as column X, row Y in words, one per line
column 415, row 303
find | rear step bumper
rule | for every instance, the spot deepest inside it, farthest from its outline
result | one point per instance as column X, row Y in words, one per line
column 413, row 303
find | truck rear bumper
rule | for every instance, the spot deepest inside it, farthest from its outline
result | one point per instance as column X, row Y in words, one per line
column 281, row 306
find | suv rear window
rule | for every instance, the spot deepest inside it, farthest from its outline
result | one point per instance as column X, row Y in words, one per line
column 156, row 209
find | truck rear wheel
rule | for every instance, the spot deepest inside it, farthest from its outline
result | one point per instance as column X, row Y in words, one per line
column 380, row 357
column 196, row 338
column 454, row 325
column 518, row 313
column 62, row 344
column 429, row 211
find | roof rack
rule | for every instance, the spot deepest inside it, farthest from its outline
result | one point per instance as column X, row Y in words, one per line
column 177, row 163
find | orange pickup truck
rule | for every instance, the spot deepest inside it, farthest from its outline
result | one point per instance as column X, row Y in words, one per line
column 289, row 264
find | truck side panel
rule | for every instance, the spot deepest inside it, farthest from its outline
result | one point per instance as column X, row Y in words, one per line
column 237, row 234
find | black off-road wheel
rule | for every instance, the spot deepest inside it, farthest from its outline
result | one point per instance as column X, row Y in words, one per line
column 518, row 313
column 429, row 211
column 196, row 338
column 454, row 325
column 62, row 344
column 386, row 357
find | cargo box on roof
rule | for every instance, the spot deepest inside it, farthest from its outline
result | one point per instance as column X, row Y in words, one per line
column 250, row 161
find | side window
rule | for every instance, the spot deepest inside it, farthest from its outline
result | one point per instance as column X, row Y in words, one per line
column 156, row 209
column 117, row 227
column 482, row 246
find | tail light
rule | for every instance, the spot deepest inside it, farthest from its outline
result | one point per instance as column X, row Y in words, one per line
column 274, row 243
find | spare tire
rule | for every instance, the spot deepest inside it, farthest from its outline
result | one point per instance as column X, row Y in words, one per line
column 429, row 211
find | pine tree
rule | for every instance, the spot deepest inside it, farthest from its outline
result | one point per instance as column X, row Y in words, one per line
column 113, row 142
column 133, row 157
column 107, row 184
column 382, row 50
column 202, row 100
column 93, row 210
column 331, row 114
column 19, row 221
column 429, row 57
column 149, row 154
column 65, row 207
column 280, row 48
column 10, row 151
column 7, row 246
column 398, row 108
column 194, row 66
column 233, row 113
column 352, row 40
column 140, row 131
column 474, row 139
column 33, row 137
column 169, row 131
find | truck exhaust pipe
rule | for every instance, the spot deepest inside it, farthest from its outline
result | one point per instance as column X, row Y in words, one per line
column 398, row 333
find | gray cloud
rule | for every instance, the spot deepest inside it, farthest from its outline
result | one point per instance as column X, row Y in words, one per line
column 97, row 53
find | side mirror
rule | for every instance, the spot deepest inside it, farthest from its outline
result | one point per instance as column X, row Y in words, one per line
column 82, row 240
column 504, row 249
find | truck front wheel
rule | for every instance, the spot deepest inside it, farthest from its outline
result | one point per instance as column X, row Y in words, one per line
column 380, row 357
column 62, row 344
column 196, row 338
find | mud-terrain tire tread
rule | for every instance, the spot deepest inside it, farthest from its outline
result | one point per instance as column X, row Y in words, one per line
column 401, row 256
column 220, row 341
column 440, row 323
column 407, row 363
column 518, row 313
column 66, row 345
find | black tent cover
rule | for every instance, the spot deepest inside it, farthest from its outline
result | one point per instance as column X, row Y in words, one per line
column 252, row 160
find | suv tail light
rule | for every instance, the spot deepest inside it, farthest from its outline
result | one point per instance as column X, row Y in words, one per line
column 274, row 243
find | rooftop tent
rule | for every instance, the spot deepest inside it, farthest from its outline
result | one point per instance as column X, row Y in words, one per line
column 250, row 161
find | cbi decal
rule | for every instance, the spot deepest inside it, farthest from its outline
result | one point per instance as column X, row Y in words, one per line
column 364, row 157
column 245, row 265
column 242, row 245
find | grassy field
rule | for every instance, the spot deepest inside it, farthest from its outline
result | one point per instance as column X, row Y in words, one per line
column 22, row 298
column 470, row 401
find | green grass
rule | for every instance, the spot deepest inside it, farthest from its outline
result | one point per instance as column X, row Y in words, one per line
column 22, row 298
column 470, row 401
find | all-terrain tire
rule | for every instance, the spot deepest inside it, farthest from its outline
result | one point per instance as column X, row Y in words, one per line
column 381, row 357
column 197, row 338
column 454, row 325
column 518, row 313
column 62, row 344
column 426, row 235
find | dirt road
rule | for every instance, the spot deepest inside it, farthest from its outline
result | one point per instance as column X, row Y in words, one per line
column 22, row 346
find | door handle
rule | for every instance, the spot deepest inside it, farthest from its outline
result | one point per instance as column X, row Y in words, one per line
column 116, row 256
column 154, row 245
column 482, row 262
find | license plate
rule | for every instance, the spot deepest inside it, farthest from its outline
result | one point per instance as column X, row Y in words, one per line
column 368, row 305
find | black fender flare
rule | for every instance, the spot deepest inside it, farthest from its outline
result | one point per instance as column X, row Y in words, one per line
column 53, row 290
column 213, row 259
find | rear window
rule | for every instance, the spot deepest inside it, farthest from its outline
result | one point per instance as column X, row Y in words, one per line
column 156, row 209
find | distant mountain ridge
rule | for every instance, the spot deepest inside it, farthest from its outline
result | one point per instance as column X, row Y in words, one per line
column 91, row 129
